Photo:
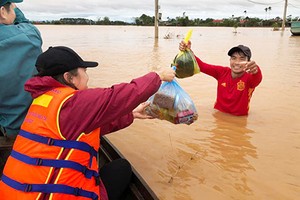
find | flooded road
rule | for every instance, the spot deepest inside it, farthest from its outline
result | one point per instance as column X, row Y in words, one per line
column 219, row 156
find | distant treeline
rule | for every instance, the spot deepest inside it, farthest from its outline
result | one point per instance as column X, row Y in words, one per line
column 145, row 20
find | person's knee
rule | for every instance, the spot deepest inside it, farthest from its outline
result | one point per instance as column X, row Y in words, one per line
column 116, row 177
column 121, row 168
column 126, row 168
column 125, row 164
column 116, row 168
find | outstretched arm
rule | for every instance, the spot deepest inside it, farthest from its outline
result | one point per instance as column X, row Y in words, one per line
column 139, row 112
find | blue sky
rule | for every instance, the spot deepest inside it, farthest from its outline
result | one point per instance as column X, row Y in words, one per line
column 126, row 10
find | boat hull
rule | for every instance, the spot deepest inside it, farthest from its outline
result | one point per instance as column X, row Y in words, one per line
column 295, row 28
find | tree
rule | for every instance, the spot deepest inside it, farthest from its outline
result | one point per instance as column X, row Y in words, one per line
column 269, row 9
column 106, row 21
column 183, row 21
column 147, row 20
column 266, row 9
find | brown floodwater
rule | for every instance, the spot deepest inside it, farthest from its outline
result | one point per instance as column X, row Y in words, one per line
column 219, row 156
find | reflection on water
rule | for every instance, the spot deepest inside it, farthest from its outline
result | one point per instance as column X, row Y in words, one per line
column 226, row 155
column 219, row 157
column 155, row 55
column 231, row 146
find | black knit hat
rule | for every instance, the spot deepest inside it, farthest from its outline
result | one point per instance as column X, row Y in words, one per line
column 241, row 48
column 58, row 60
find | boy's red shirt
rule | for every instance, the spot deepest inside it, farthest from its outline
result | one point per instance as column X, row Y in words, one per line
column 233, row 94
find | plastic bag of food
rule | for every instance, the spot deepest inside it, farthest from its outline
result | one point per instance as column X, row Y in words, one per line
column 173, row 104
column 185, row 61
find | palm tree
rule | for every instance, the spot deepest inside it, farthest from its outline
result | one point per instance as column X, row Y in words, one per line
column 266, row 9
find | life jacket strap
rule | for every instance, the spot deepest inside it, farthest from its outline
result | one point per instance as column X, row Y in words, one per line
column 49, row 188
column 56, row 163
column 69, row 144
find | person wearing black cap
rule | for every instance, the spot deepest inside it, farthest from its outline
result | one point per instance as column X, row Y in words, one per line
column 235, row 83
column 54, row 155
column 20, row 45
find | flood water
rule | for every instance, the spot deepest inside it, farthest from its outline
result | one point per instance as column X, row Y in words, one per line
column 219, row 157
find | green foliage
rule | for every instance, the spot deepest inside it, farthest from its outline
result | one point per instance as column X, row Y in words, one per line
column 145, row 20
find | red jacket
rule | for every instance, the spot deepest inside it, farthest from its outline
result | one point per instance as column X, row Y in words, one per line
column 108, row 108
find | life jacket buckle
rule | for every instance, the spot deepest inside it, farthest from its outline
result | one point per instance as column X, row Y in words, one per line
column 76, row 191
column 39, row 161
column 28, row 188
column 50, row 141
column 84, row 169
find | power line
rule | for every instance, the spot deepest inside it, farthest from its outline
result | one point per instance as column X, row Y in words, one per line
column 265, row 3
column 294, row 5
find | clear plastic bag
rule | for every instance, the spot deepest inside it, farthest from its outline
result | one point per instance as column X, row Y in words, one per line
column 185, row 61
column 173, row 104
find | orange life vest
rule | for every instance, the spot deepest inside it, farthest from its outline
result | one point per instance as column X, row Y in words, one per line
column 44, row 162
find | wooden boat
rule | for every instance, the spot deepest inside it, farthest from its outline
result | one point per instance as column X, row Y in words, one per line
column 295, row 27
column 138, row 189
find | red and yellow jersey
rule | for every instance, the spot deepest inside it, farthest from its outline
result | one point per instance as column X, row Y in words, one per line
column 233, row 94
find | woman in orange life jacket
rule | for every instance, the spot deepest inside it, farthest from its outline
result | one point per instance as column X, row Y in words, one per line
column 54, row 155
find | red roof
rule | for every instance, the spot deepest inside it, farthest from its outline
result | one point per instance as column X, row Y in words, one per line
column 218, row 20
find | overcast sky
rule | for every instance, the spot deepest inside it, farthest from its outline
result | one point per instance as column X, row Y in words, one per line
column 127, row 10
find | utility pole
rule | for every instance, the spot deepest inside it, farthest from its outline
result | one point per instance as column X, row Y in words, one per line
column 284, row 15
column 156, row 19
